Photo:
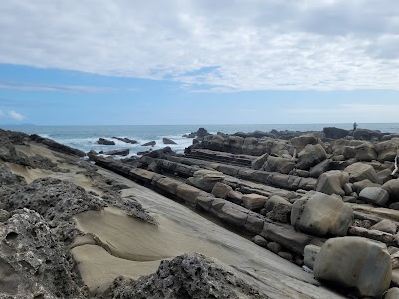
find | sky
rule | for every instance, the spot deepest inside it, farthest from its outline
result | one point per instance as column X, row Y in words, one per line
column 100, row 62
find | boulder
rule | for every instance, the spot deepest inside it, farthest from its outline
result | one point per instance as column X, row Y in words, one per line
column 374, row 195
column 151, row 143
column 360, row 171
column 258, row 163
column 309, row 255
column 207, row 179
column 364, row 134
column 278, row 164
column 392, row 186
column 385, row 225
column 320, row 168
column 168, row 141
column 310, row 156
column 349, row 152
column 320, row 214
column 126, row 140
column 253, row 201
column 301, row 141
column 392, row 293
column 385, row 175
column 367, row 274
column 235, row 197
column 387, row 150
column 278, row 209
column 233, row 214
column 359, row 186
column 259, row 240
column 105, row 141
column 335, row 133
column 332, row 182
column 365, row 152
column 221, row 190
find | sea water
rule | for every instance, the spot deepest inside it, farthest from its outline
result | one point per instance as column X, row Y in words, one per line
column 85, row 137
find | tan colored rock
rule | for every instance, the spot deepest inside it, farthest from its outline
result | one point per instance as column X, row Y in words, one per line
column 332, row 182
column 253, row 201
column 206, row 179
column 339, row 262
column 221, row 190
column 360, row 171
column 310, row 156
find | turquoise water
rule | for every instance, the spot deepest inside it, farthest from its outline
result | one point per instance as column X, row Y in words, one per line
column 85, row 137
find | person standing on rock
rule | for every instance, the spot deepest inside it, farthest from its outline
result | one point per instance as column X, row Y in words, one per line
column 354, row 126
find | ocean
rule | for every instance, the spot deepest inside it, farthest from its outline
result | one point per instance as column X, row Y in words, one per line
column 85, row 137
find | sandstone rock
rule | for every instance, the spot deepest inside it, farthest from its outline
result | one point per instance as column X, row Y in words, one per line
column 168, row 141
column 310, row 156
column 365, row 152
column 392, row 293
column 206, row 179
column 188, row 193
column 278, row 164
column 278, row 209
column 360, row 171
column 392, row 186
column 368, row 274
column 385, row 225
column 301, row 141
column 233, row 214
column 235, row 197
column 221, row 190
column 105, row 141
column 258, row 163
column 253, row 201
column 332, row 182
column 167, row 184
column 310, row 254
column 387, row 150
column 320, row 214
column 374, row 195
column 320, row 168
column 259, row 240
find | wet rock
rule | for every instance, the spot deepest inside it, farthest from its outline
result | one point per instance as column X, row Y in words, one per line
column 340, row 264
column 320, row 214
column 150, row 143
column 104, row 141
column 168, row 141
column 126, row 140
column 374, row 195
column 120, row 152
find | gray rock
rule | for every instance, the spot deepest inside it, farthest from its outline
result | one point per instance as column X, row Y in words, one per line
column 320, row 214
column 206, row 179
column 374, row 195
column 320, row 168
column 258, row 163
column 359, row 186
column 387, row 150
column 309, row 255
column 286, row 255
column 310, row 156
column 104, row 141
column 339, row 262
column 365, row 152
column 278, row 164
column 385, row 225
column 301, row 141
column 274, row 247
column 332, row 182
column 392, row 293
column 221, row 190
column 150, row 143
column 120, row 152
column 335, row 133
column 259, row 240
column 278, row 209
column 360, row 171
column 392, row 186
column 253, row 201
column 235, row 197
column 385, row 175
column 168, row 141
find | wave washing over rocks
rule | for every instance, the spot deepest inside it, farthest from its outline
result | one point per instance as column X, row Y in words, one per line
column 247, row 215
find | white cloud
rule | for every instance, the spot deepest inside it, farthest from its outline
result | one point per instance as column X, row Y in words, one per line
column 257, row 45
column 16, row 116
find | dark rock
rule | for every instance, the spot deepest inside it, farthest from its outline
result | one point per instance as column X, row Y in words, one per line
column 151, row 143
column 364, row 134
column 120, row 152
column 335, row 133
column 105, row 141
column 259, row 240
column 58, row 147
column 126, row 140
column 168, row 141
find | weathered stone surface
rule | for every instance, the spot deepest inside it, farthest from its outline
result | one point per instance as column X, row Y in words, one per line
column 188, row 193
column 255, row 223
column 186, row 276
column 365, row 152
column 320, row 214
column 374, row 195
column 332, row 182
column 33, row 264
column 310, row 254
column 167, row 184
column 253, row 201
column 392, row 186
column 274, row 247
column 349, row 152
column 206, row 179
column 259, row 240
column 119, row 152
column 368, row 274
column 392, row 293
column 258, row 163
column 359, row 186
column 320, row 168
column 335, row 133
column 385, row 225
column 278, row 209
column 387, row 150
column 233, row 214
column 221, row 190
column 279, row 164
column 301, row 141
column 58, row 147
column 364, row 134
column 235, row 196
column 360, row 171
column 310, row 156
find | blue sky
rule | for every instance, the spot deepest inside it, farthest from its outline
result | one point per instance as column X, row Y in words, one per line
column 198, row 62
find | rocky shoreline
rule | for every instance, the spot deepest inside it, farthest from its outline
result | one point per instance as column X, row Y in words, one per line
column 309, row 201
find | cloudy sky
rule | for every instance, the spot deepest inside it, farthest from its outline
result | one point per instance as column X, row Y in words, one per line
column 198, row 61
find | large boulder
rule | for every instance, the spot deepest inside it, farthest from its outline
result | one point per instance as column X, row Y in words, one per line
column 360, row 171
column 168, row 141
column 387, row 150
column 335, row 133
column 105, row 141
column 367, row 274
column 392, row 186
column 278, row 209
column 332, row 182
column 365, row 152
column 206, row 179
column 258, row 163
column 374, row 195
column 310, row 156
column 300, row 142
column 364, row 134
column 278, row 164
column 319, row 214
column 221, row 190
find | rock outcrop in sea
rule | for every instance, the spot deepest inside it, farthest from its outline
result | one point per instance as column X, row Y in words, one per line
column 321, row 209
